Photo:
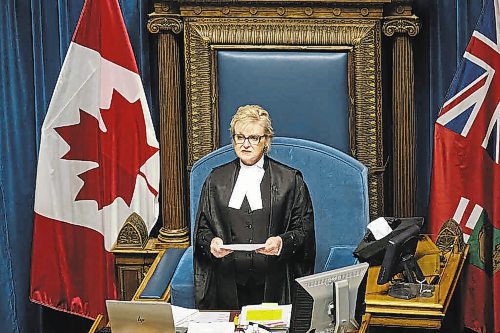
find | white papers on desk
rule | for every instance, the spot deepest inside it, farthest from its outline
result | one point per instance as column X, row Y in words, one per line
column 243, row 247
column 211, row 317
column 183, row 317
column 226, row 327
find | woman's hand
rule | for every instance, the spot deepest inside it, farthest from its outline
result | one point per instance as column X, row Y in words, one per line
column 273, row 246
column 215, row 249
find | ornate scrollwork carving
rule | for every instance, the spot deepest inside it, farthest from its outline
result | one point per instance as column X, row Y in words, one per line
column 406, row 25
column 133, row 234
column 165, row 23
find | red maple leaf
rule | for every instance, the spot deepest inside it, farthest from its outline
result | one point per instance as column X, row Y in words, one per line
column 119, row 152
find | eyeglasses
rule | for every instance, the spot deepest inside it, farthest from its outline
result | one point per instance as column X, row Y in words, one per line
column 252, row 139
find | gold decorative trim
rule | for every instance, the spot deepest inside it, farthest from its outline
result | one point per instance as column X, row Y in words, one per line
column 280, row 10
column 173, row 238
column 97, row 324
column 401, row 25
column 283, row 47
column 133, row 234
column 362, row 35
column 157, row 23
column 162, row 8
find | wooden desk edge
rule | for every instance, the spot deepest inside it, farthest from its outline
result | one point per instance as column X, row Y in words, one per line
column 456, row 278
column 365, row 323
column 98, row 324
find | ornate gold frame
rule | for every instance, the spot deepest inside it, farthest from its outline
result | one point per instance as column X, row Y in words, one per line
column 363, row 36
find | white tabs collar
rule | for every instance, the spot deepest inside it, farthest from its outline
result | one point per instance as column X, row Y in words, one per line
column 248, row 184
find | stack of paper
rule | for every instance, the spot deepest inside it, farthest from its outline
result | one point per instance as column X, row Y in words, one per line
column 183, row 317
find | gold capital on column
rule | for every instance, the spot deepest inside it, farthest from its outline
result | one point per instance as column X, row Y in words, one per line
column 158, row 24
column 165, row 18
column 401, row 25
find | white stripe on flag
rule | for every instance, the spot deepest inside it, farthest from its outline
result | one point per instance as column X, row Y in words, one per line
column 459, row 213
column 474, row 217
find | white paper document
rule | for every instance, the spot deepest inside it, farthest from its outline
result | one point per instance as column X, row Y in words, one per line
column 226, row 327
column 211, row 317
column 183, row 317
column 379, row 228
column 243, row 247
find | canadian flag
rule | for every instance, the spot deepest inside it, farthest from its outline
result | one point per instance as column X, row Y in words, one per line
column 98, row 164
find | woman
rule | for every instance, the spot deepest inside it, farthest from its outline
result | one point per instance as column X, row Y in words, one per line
column 253, row 199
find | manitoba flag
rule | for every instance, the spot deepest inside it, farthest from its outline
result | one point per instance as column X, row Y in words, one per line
column 98, row 164
column 466, row 172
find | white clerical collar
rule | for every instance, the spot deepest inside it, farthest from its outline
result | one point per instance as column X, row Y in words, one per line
column 259, row 164
column 248, row 184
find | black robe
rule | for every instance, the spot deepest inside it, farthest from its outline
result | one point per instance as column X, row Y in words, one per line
column 291, row 218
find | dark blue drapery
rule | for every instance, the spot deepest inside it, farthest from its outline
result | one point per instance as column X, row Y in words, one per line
column 34, row 38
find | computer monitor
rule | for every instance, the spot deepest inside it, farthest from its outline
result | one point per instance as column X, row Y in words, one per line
column 326, row 302
column 400, row 257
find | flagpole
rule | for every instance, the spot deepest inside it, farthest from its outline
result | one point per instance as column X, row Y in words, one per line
column 166, row 22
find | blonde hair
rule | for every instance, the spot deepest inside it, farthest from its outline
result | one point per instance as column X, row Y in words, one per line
column 253, row 113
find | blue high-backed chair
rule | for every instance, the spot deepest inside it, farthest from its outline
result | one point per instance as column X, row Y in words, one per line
column 339, row 191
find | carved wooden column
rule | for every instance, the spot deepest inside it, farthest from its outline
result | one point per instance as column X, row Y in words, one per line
column 166, row 22
column 401, row 25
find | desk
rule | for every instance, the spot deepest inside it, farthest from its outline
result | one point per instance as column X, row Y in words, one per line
column 99, row 324
column 419, row 312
